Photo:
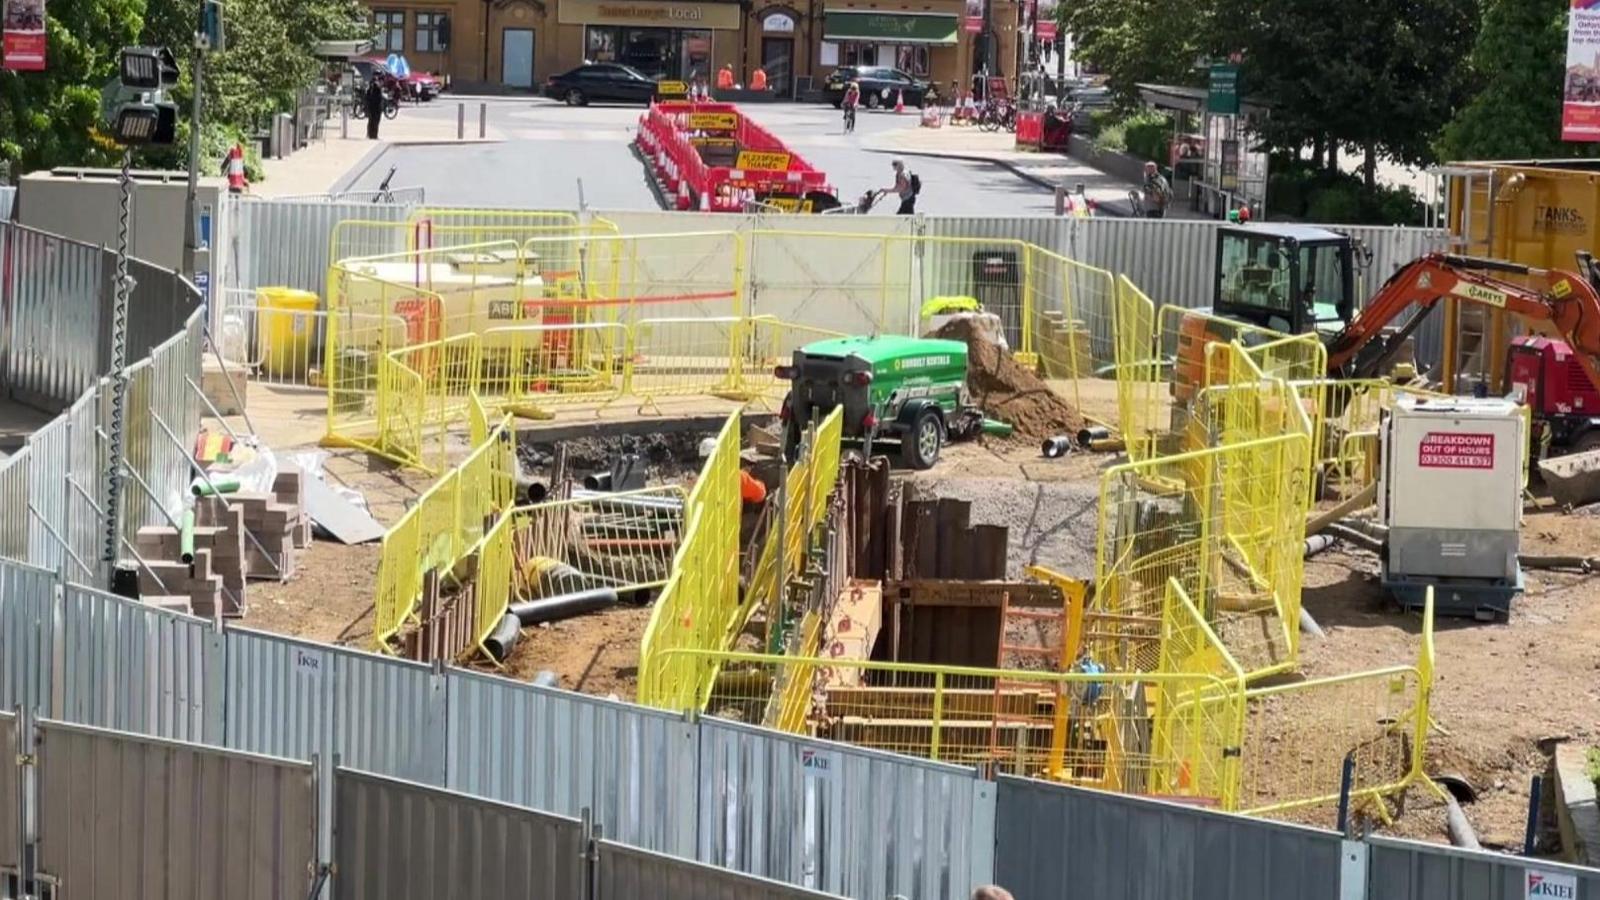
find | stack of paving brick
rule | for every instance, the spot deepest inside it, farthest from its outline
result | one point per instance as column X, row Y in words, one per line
column 238, row 537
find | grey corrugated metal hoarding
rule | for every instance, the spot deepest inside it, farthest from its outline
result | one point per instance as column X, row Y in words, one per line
column 134, row 668
column 51, row 293
column 391, row 717
column 16, row 476
column 10, row 792
column 279, row 695
column 159, row 305
column 394, row 840
column 560, row 752
column 126, row 817
column 1110, row 845
column 287, row 243
column 27, row 636
column 629, row 873
column 49, row 452
column 839, row 818
column 1406, row 870
column 8, row 202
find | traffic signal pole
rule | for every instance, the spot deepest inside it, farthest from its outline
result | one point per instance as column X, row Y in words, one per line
column 191, row 204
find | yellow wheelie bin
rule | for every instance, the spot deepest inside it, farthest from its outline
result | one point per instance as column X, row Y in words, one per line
column 286, row 331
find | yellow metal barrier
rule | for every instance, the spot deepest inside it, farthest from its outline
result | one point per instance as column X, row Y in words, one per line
column 1005, row 720
column 769, row 343
column 1293, row 755
column 1203, row 723
column 1228, row 524
column 679, row 357
column 700, row 604
column 807, row 485
column 447, row 520
column 1071, row 328
column 1141, row 389
column 547, row 365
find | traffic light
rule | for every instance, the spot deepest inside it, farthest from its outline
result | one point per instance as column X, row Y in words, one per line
column 135, row 106
column 210, row 35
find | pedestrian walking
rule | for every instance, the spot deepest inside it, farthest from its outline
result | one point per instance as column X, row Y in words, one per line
column 906, row 186
column 1157, row 192
column 373, row 100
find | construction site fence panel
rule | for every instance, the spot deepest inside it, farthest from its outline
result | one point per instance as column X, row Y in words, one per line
column 402, row 841
column 134, row 668
column 1409, row 870
column 691, row 787
column 1106, row 845
column 624, row 872
column 843, row 819
column 122, row 815
column 634, row 769
column 54, row 491
column 10, row 793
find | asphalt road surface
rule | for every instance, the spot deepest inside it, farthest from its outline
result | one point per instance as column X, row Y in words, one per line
column 549, row 148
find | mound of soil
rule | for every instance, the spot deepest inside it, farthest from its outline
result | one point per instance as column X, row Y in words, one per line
column 1009, row 391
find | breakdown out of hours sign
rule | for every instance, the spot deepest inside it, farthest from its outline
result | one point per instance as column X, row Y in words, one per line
column 1446, row 450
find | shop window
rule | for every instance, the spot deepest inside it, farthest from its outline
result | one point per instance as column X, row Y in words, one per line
column 602, row 45
column 912, row 59
column 389, row 30
column 431, row 32
column 852, row 53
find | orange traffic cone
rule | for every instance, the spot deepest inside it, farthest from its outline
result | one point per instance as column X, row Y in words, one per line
column 900, row 101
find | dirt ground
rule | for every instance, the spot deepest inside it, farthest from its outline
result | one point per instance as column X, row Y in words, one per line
column 1501, row 691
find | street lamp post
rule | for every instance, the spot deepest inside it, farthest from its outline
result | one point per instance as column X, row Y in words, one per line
column 207, row 38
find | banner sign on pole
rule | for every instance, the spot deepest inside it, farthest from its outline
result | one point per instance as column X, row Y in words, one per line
column 1580, row 107
column 974, row 18
column 1044, row 23
column 23, row 47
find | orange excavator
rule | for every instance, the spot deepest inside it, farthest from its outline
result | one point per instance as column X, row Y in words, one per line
column 1296, row 279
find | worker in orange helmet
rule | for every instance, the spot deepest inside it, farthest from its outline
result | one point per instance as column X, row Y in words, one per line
column 725, row 77
column 758, row 79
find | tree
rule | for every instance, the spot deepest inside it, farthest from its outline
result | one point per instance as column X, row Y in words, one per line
column 1134, row 41
column 1519, row 62
column 1382, row 76
column 51, row 118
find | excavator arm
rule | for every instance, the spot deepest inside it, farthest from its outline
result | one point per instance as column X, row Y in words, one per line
column 1568, row 301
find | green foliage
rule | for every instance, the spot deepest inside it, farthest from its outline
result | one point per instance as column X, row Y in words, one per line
column 50, row 118
column 1134, row 41
column 1520, row 66
column 1148, row 135
column 1593, row 765
column 1382, row 76
column 1304, row 192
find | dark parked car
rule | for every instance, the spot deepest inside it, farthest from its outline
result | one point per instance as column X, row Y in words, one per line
column 879, row 86
column 602, row 82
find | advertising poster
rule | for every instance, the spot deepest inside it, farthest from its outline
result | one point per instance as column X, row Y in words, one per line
column 1580, row 107
column 974, row 17
column 1044, row 24
column 23, row 48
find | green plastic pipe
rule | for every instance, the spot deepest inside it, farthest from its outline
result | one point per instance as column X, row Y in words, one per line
column 221, row 486
column 997, row 428
column 186, row 538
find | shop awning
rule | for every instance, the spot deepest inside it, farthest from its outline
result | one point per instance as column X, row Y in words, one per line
column 889, row 28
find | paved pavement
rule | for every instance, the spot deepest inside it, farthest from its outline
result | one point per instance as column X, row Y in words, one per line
column 543, row 149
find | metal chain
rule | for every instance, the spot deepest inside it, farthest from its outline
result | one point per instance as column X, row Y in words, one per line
column 119, row 346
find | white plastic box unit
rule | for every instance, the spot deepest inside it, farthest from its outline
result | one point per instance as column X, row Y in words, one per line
column 1450, row 490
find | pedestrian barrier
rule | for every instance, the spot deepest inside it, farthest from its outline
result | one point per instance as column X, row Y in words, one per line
column 1381, row 731
column 1090, row 728
column 700, row 605
column 1204, row 725
column 446, row 521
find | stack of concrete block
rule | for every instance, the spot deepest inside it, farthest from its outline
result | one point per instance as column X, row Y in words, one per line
column 202, row 588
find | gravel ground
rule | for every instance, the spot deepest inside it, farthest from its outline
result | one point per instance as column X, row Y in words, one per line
column 1052, row 523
